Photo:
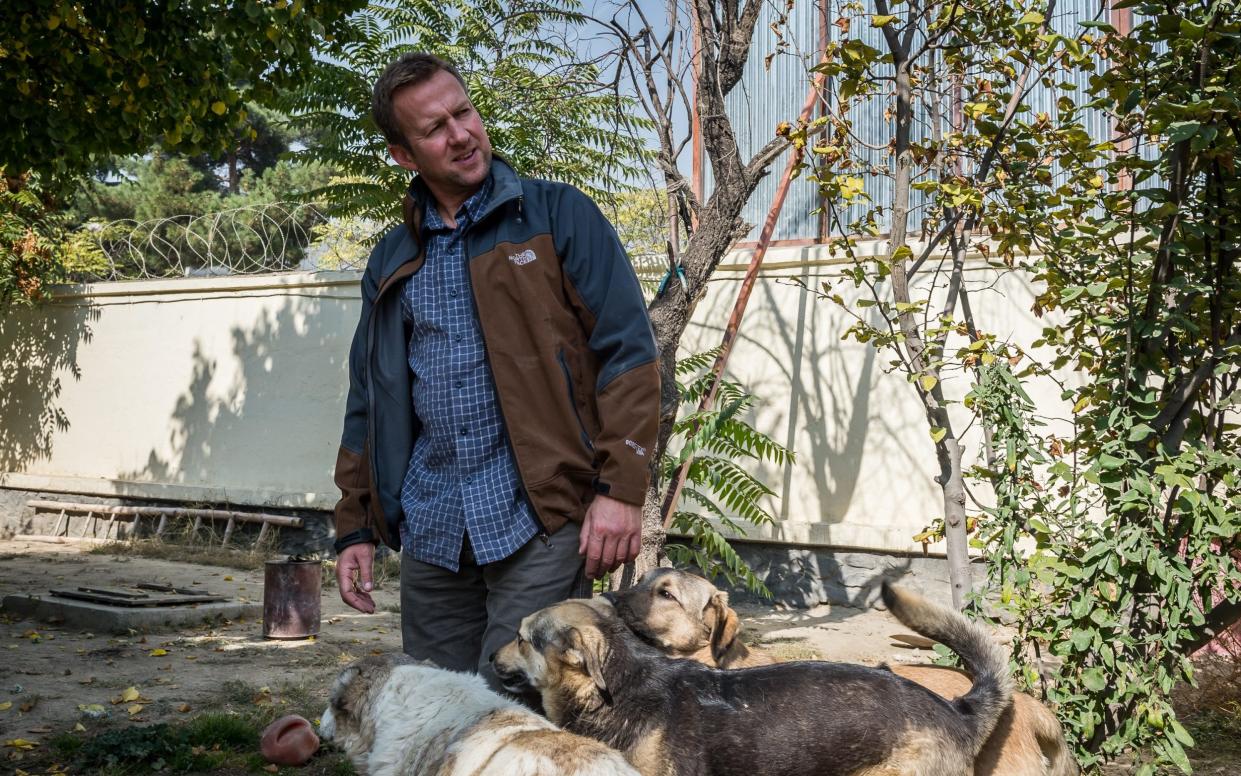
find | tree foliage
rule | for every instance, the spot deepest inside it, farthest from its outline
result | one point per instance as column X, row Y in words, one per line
column 83, row 81
column 1115, row 550
column 545, row 112
column 37, row 245
column 721, row 449
column 1135, row 520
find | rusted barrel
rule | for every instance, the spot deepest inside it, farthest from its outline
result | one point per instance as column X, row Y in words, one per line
column 291, row 591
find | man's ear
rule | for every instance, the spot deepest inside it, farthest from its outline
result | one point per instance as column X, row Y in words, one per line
column 402, row 156
column 724, row 642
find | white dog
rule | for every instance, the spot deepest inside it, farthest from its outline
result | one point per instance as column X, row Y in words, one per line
column 397, row 717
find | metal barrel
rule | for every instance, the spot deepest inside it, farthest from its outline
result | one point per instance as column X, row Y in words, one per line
column 291, row 590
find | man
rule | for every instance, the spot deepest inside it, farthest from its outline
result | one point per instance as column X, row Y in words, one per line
column 503, row 387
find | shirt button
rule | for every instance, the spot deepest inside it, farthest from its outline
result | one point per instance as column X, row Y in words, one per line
column 468, row 480
column 464, row 431
column 460, row 383
column 452, row 292
column 459, row 337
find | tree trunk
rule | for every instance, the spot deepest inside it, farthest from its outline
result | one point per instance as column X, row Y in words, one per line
column 947, row 447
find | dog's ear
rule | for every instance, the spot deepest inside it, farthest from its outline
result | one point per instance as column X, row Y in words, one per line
column 347, row 696
column 725, row 646
column 589, row 650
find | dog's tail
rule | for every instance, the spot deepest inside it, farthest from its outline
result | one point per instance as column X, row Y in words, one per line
column 984, row 659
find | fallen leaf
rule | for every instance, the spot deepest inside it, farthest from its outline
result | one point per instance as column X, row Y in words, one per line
column 157, row 653
column 39, row 730
column 93, row 709
column 183, row 708
column 134, row 709
column 88, row 680
column 228, row 579
column 191, row 657
column 79, row 728
column 21, row 743
column 6, row 705
column 129, row 695
column 27, row 706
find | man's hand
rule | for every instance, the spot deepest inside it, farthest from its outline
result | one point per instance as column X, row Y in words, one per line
column 353, row 576
column 611, row 535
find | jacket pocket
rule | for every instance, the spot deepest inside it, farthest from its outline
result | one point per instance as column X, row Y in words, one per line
column 572, row 396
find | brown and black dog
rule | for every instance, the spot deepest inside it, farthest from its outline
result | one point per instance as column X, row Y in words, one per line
column 674, row 717
column 684, row 615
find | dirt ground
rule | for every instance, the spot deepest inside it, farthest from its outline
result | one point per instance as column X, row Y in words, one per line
column 57, row 680
column 50, row 672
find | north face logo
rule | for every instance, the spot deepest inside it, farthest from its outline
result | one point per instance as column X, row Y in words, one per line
column 637, row 448
column 523, row 258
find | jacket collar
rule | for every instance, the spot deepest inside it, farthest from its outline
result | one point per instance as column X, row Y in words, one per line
column 507, row 188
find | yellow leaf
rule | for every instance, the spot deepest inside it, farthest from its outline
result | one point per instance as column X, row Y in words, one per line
column 228, row 579
column 130, row 694
column 938, row 433
column 1081, row 404
column 881, row 20
column 927, row 382
column 219, row 108
column 184, row 707
column 144, row 81
column 53, row 22
column 1033, row 17
column 6, row 705
column 79, row 728
column 851, row 187
column 157, row 652
column 134, row 709
column 1096, row 182
column 21, row 743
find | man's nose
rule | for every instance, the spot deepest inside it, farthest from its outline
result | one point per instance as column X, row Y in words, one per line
column 457, row 132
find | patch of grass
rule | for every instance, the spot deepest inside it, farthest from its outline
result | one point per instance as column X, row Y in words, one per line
column 224, row 738
column 180, row 542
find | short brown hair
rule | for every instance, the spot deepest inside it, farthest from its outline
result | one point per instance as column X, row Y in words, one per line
column 408, row 70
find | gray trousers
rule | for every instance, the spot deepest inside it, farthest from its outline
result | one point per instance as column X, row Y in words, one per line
column 457, row 620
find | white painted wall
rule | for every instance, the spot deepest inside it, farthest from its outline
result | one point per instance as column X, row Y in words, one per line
column 230, row 390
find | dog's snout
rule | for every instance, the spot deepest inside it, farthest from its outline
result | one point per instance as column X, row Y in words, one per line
column 492, row 658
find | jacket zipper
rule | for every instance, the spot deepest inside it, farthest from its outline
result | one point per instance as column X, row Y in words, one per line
column 544, row 535
column 568, row 381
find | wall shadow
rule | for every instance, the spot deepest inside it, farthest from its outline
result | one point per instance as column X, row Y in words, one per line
column 277, row 406
column 38, row 350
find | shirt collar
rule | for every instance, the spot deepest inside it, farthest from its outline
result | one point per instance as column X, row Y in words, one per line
column 468, row 213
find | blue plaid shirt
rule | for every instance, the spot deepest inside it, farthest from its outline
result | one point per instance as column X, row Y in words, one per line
column 462, row 479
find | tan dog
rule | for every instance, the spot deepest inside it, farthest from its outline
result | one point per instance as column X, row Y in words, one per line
column 397, row 717
column 684, row 615
column 682, row 718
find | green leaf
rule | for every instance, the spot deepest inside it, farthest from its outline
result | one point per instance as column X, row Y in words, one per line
column 1032, row 17
column 881, row 20
column 1182, row 130
column 938, row 433
column 1094, row 679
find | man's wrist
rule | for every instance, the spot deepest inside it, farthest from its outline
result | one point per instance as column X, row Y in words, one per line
column 360, row 536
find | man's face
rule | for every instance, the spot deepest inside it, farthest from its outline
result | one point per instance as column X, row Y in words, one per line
column 448, row 145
